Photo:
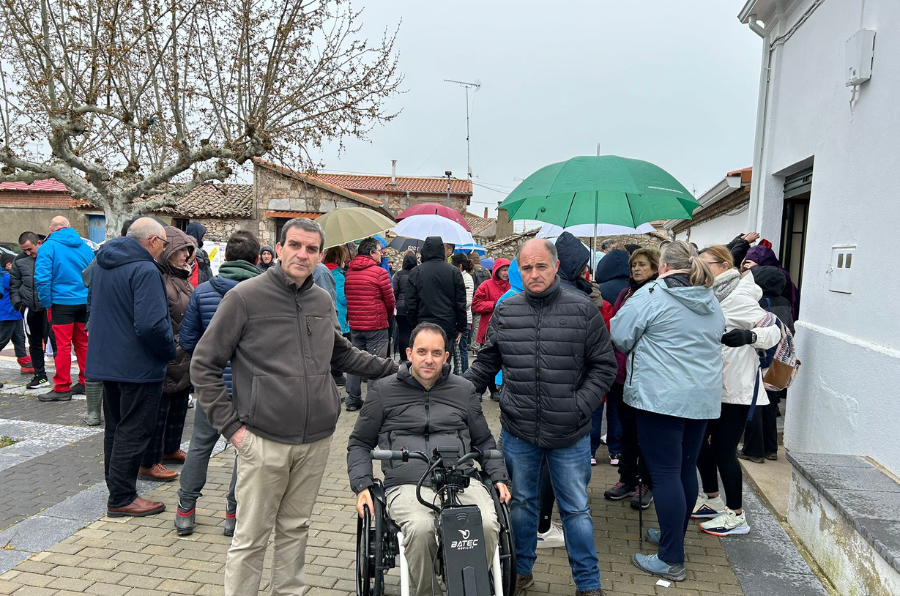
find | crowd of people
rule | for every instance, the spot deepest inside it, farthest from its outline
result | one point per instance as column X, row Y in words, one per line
column 670, row 339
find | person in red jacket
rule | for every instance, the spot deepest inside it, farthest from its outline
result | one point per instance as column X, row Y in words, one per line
column 370, row 307
column 488, row 293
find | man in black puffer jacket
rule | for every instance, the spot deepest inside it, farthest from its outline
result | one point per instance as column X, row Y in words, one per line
column 419, row 408
column 436, row 292
column 557, row 364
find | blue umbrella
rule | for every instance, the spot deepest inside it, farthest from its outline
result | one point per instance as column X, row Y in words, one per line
column 488, row 264
column 467, row 248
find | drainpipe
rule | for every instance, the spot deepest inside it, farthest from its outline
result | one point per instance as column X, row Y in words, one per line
column 757, row 183
column 393, row 171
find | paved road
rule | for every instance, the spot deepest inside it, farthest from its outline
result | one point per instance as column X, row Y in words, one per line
column 58, row 541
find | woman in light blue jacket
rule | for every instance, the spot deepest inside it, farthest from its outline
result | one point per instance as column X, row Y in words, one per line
column 671, row 330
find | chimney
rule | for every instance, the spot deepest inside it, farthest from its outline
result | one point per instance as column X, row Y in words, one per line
column 485, row 213
column 394, row 172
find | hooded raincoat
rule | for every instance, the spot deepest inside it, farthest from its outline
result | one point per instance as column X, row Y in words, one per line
column 612, row 274
column 486, row 297
column 672, row 337
column 763, row 255
column 178, row 295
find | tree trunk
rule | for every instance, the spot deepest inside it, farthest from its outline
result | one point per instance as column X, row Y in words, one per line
column 116, row 216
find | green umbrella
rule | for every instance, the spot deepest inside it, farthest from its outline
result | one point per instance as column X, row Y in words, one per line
column 606, row 189
column 352, row 223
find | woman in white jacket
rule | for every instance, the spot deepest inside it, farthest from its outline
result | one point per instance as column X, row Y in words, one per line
column 741, row 379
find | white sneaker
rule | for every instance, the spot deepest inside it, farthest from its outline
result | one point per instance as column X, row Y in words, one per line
column 708, row 508
column 552, row 538
column 727, row 524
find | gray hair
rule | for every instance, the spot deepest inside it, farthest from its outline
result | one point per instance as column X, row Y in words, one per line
column 145, row 228
column 305, row 224
column 549, row 246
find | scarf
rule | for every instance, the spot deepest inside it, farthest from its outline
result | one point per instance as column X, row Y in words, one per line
column 238, row 270
column 726, row 283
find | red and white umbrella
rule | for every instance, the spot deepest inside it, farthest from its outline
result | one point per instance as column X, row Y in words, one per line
column 435, row 209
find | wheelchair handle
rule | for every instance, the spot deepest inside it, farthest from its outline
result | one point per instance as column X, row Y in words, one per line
column 402, row 455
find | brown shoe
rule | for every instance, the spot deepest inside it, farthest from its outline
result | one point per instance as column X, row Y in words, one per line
column 176, row 456
column 158, row 472
column 523, row 582
column 138, row 508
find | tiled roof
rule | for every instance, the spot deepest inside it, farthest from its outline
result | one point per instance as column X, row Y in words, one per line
column 48, row 185
column 364, row 200
column 293, row 214
column 401, row 184
column 214, row 200
column 477, row 223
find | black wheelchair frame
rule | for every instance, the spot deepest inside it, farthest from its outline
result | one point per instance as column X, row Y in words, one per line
column 377, row 543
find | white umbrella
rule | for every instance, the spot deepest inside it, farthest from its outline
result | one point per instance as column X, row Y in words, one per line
column 423, row 226
column 587, row 230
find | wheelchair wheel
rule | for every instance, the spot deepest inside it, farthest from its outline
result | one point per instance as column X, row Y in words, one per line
column 505, row 541
column 373, row 549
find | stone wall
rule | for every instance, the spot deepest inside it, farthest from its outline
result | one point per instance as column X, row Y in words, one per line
column 396, row 203
column 219, row 230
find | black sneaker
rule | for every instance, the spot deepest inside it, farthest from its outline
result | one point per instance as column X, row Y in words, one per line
column 772, row 456
column 642, row 498
column 353, row 407
column 55, row 396
column 78, row 389
column 619, row 491
column 38, row 380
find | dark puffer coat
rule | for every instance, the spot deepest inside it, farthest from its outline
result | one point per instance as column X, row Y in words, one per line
column 22, row 290
column 612, row 273
column 557, row 364
column 401, row 282
column 436, row 292
column 178, row 294
column 370, row 297
column 771, row 281
column 399, row 412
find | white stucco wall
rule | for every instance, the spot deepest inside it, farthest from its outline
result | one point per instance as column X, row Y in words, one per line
column 719, row 230
column 845, row 398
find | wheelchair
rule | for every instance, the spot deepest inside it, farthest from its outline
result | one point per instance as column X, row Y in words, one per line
column 460, row 563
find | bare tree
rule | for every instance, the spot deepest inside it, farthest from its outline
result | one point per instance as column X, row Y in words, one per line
column 132, row 103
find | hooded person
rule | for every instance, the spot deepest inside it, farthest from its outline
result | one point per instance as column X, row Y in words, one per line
column 612, row 273
column 437, row 292
column 765, row 256
column 573, row 258
column 772, row 282
column 488, row 293
column 400, row 283
column 266, row 258
column 201, row 271
column 165, row 444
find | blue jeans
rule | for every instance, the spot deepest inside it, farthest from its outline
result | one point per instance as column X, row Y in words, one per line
column 570, row 472
column 461, row 353
column 373, row 342
column 670, row 447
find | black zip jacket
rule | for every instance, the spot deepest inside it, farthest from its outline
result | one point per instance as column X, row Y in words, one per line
column 399, row 412
column 436, row 292
column 557, row 365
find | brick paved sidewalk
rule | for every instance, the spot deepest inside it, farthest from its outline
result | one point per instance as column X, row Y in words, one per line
column 144, row 556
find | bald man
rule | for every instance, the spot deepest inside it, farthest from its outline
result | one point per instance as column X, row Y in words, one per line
column 131, row 343
column 57, row 277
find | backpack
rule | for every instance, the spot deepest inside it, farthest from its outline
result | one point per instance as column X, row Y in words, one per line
column 779, row 363
column 480, row 276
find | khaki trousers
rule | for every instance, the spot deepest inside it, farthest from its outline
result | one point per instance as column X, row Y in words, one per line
column 417, row 523
column 277, row 486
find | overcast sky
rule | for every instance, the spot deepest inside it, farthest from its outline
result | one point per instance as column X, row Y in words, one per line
column 674, row 83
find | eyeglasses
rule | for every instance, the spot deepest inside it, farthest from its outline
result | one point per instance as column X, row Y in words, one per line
column 165, row 242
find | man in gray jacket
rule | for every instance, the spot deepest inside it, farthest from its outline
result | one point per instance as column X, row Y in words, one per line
column 423, row 405
column 284, row 405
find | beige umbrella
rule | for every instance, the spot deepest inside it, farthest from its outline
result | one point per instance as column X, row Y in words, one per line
column 353, row 223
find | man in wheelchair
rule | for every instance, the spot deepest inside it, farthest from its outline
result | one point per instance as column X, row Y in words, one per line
column 421, row 407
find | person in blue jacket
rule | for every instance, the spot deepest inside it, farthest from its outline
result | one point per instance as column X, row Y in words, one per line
column 11, row 326
column 671, row 331
column 612, row 274
column 241, row 257
column 131, row 345
column 57, row 276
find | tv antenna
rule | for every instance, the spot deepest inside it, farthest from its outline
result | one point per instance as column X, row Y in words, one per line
column 476, row 85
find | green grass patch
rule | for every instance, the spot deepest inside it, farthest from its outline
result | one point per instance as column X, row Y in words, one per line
column 6, row 441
